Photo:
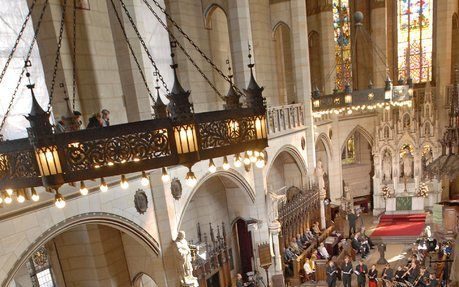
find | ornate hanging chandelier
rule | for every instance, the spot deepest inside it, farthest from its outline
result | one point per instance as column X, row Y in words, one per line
column 176, row 136
column 349, row 101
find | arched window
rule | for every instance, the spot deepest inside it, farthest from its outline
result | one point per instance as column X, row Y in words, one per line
column 342, row 32
column 40, row 269
column 414, row 39
column 284, row 62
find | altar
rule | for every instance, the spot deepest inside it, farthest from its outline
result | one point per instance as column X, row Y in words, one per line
column 405, row 204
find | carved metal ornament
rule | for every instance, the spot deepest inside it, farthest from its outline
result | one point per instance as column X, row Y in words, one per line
column 141, row 201
column 176, row 188
column 123, row 149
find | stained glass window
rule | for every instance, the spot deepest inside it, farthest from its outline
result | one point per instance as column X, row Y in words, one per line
column 342, row 32
column 414, row 50
column 348, row 155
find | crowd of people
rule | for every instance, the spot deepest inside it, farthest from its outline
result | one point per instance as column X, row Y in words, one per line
column 73, row 123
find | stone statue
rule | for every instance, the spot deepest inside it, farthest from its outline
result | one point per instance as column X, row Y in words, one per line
column 387, row 166
column 320, row 176
column 407, row 162
column 382, row 254
column 184, row 261
column 275, row 199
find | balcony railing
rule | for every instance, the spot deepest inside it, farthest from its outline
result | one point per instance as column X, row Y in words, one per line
column 286, row 118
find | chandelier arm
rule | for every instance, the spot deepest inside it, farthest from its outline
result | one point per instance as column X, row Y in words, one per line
column 24, row 68
column 376, row 48
column 368, row 41
column 184, row 51
column 58, row 53
column 139, row 68
column 144, row 45
column 18, row 39
column 74, row 58
column 208, row 60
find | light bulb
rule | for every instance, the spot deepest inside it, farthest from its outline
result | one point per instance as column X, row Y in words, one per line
column 260, row 162
column 225, row 165
column 253, row 157
column 212, row 167
column 20, row 196
column 190, row 179
column 144, row 181
column 237, row 160
column 165, row 176
column 124, row 183
column 59, row 200
column 8, row 199
column 246, row 159
column 249, row 152
column 9, row 191
column 1, row 198
column 35, row 196
column 83, row 189
column 103, row 185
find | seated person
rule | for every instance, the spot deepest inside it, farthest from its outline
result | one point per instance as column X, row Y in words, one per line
column 316, row 228
column 323, row 251
column 294, row 246
column 310, row 269
column 300, row 242
column 308, row 235
column 289, row 256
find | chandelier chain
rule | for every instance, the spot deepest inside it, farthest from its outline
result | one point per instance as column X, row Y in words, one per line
column 144, row 45
column 27, row 63
column 139, row 67
column 58, row 52
column 74, row 58
column 184, row 50
column 208, row 60
column 18, row 39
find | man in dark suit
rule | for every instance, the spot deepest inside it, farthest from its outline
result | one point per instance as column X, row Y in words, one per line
column 347, row 271
column 361, row 271
column 332, row 274
column 387, row 274
column 352, row 219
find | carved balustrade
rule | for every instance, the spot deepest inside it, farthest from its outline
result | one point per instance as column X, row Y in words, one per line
column 285, row 118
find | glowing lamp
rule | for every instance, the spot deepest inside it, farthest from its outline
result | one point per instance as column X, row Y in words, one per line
column 124, row 182
column 185, row 138
column 34, row 193
column 59, row 201
column 237, row 160
column 225, row 165
column 191, row 179
column 20, row 196
column 260, row 127
column 212, row 167
column 103, row 185
column 144, row 181
column 165, row 176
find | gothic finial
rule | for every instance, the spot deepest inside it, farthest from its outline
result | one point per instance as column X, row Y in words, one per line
column 232, row 98
column 254, row 92
column 179, row 105
column 159, row 107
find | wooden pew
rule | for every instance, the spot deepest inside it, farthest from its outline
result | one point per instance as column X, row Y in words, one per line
column 298, row 263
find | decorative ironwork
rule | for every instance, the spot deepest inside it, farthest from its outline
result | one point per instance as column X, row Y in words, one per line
column 127, row 148
column 22, row 164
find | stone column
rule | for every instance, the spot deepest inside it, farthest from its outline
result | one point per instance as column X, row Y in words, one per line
column 327, row 44
column 274, row 230
column 379, row 38
column 302, row 72
column 442, row 52
column 240, row 36
column 323, row 218
column 164, row 212
column 334, row 166
column 263, row 49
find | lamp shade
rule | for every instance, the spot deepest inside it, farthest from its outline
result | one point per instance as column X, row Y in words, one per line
column 48, row 160
column 185, row 138
column 260, row 127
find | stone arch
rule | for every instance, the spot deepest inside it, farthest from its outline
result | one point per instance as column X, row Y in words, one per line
column 230, row 174
column 103, row 218
column 139, row 276
column 277, row 26
column 295, row 153
column 208, row 14
column 323, row 137
column 368, row 136
column 283, row 50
